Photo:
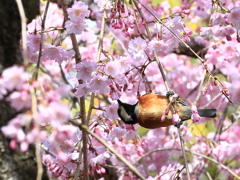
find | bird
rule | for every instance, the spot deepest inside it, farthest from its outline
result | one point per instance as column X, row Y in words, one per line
column 150, row 108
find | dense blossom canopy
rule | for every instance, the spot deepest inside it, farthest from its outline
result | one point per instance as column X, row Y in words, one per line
column 112, row 49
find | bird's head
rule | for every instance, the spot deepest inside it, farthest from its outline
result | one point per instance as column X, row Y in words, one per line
column 127, row 112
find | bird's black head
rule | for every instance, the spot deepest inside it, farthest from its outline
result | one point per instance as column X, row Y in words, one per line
column 126, row 112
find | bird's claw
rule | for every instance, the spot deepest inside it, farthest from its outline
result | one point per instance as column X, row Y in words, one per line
column 169, row 93
column 178, row 124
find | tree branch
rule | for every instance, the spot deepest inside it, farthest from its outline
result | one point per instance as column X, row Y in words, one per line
column 194, row 153
column 78, row 59
column 119, row 156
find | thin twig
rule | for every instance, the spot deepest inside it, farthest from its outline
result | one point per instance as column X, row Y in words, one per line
column 111, row 149
column 100, row 48
column 200, row 90
column 185, row 44
column 100, row 43
column 136, row 23
column 188, row 47
column 37, row 149
column 216, row 162
column 168, row 162
column 90, row 107
column 194, row 153
column 208, row 175
column 212, row 100
column 78, row 59
column 166, row 85
column 24, row 27
column 32, row 92
column 183, row 152
column 155, row 54
column 118, row 39
column 41, row 38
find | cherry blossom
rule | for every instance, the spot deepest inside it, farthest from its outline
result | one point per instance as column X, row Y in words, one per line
column 100, row 84
column 78, row 11
column 85, row 70
column 82, row 90
column 137, row 49
column 126, row 69
column 77, row 14
column 20, row 100
column 234, row 16
column 14, row 78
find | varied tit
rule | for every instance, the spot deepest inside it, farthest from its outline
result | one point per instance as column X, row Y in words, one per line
column 150, row 108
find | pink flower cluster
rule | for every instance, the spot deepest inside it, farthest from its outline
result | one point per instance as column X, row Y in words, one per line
column 15, row 87
column 50, row 110
column 195, row 116
column 77, row 14
column 127, row 69
column 49, row 51
column 225, row 25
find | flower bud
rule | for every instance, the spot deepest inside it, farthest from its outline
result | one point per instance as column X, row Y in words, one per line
column 166, row 111
column 163, row 118
column 195, row 117
column 194, row 109
column 175, row 118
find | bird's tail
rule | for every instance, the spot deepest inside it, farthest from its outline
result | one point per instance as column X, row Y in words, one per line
column 211, row 113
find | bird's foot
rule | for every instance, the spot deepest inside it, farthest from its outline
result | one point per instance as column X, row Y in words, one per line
column 178, row 124
column 169, row 93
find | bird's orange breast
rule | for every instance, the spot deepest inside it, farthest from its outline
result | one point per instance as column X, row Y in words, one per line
column 150, row 109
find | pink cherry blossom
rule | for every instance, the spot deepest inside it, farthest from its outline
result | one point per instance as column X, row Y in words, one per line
column 20, row 100
column 187, row 31
column 175, row 118
column 100, row 159
column 130, row 135
column 64, row 132
column 234, row 16
column 85, row 69
column 206, row 31
column 14, row 77
column 174, row 24
column 100, row 84
column 124, row 63
column 13, row 144
column 56, row 53
column 202, row 8
column 114, row 92
column 136, row 49
column 195, row 117
column 163, row 118
column 75, row 27
column 157, row 45
column 78, row 11
column 64, row 90
column 54, row 113
column 82, row 90
column 77, row 14
column 10, row 130
column 24, row 146
column 224, row 31
column 60, row 113
column 217, row 18
column 103, row 4
column 33, row 41
column 126, row 69
column 116, row 132
column 194, row 109
column 112, row 68
column 111, row 111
